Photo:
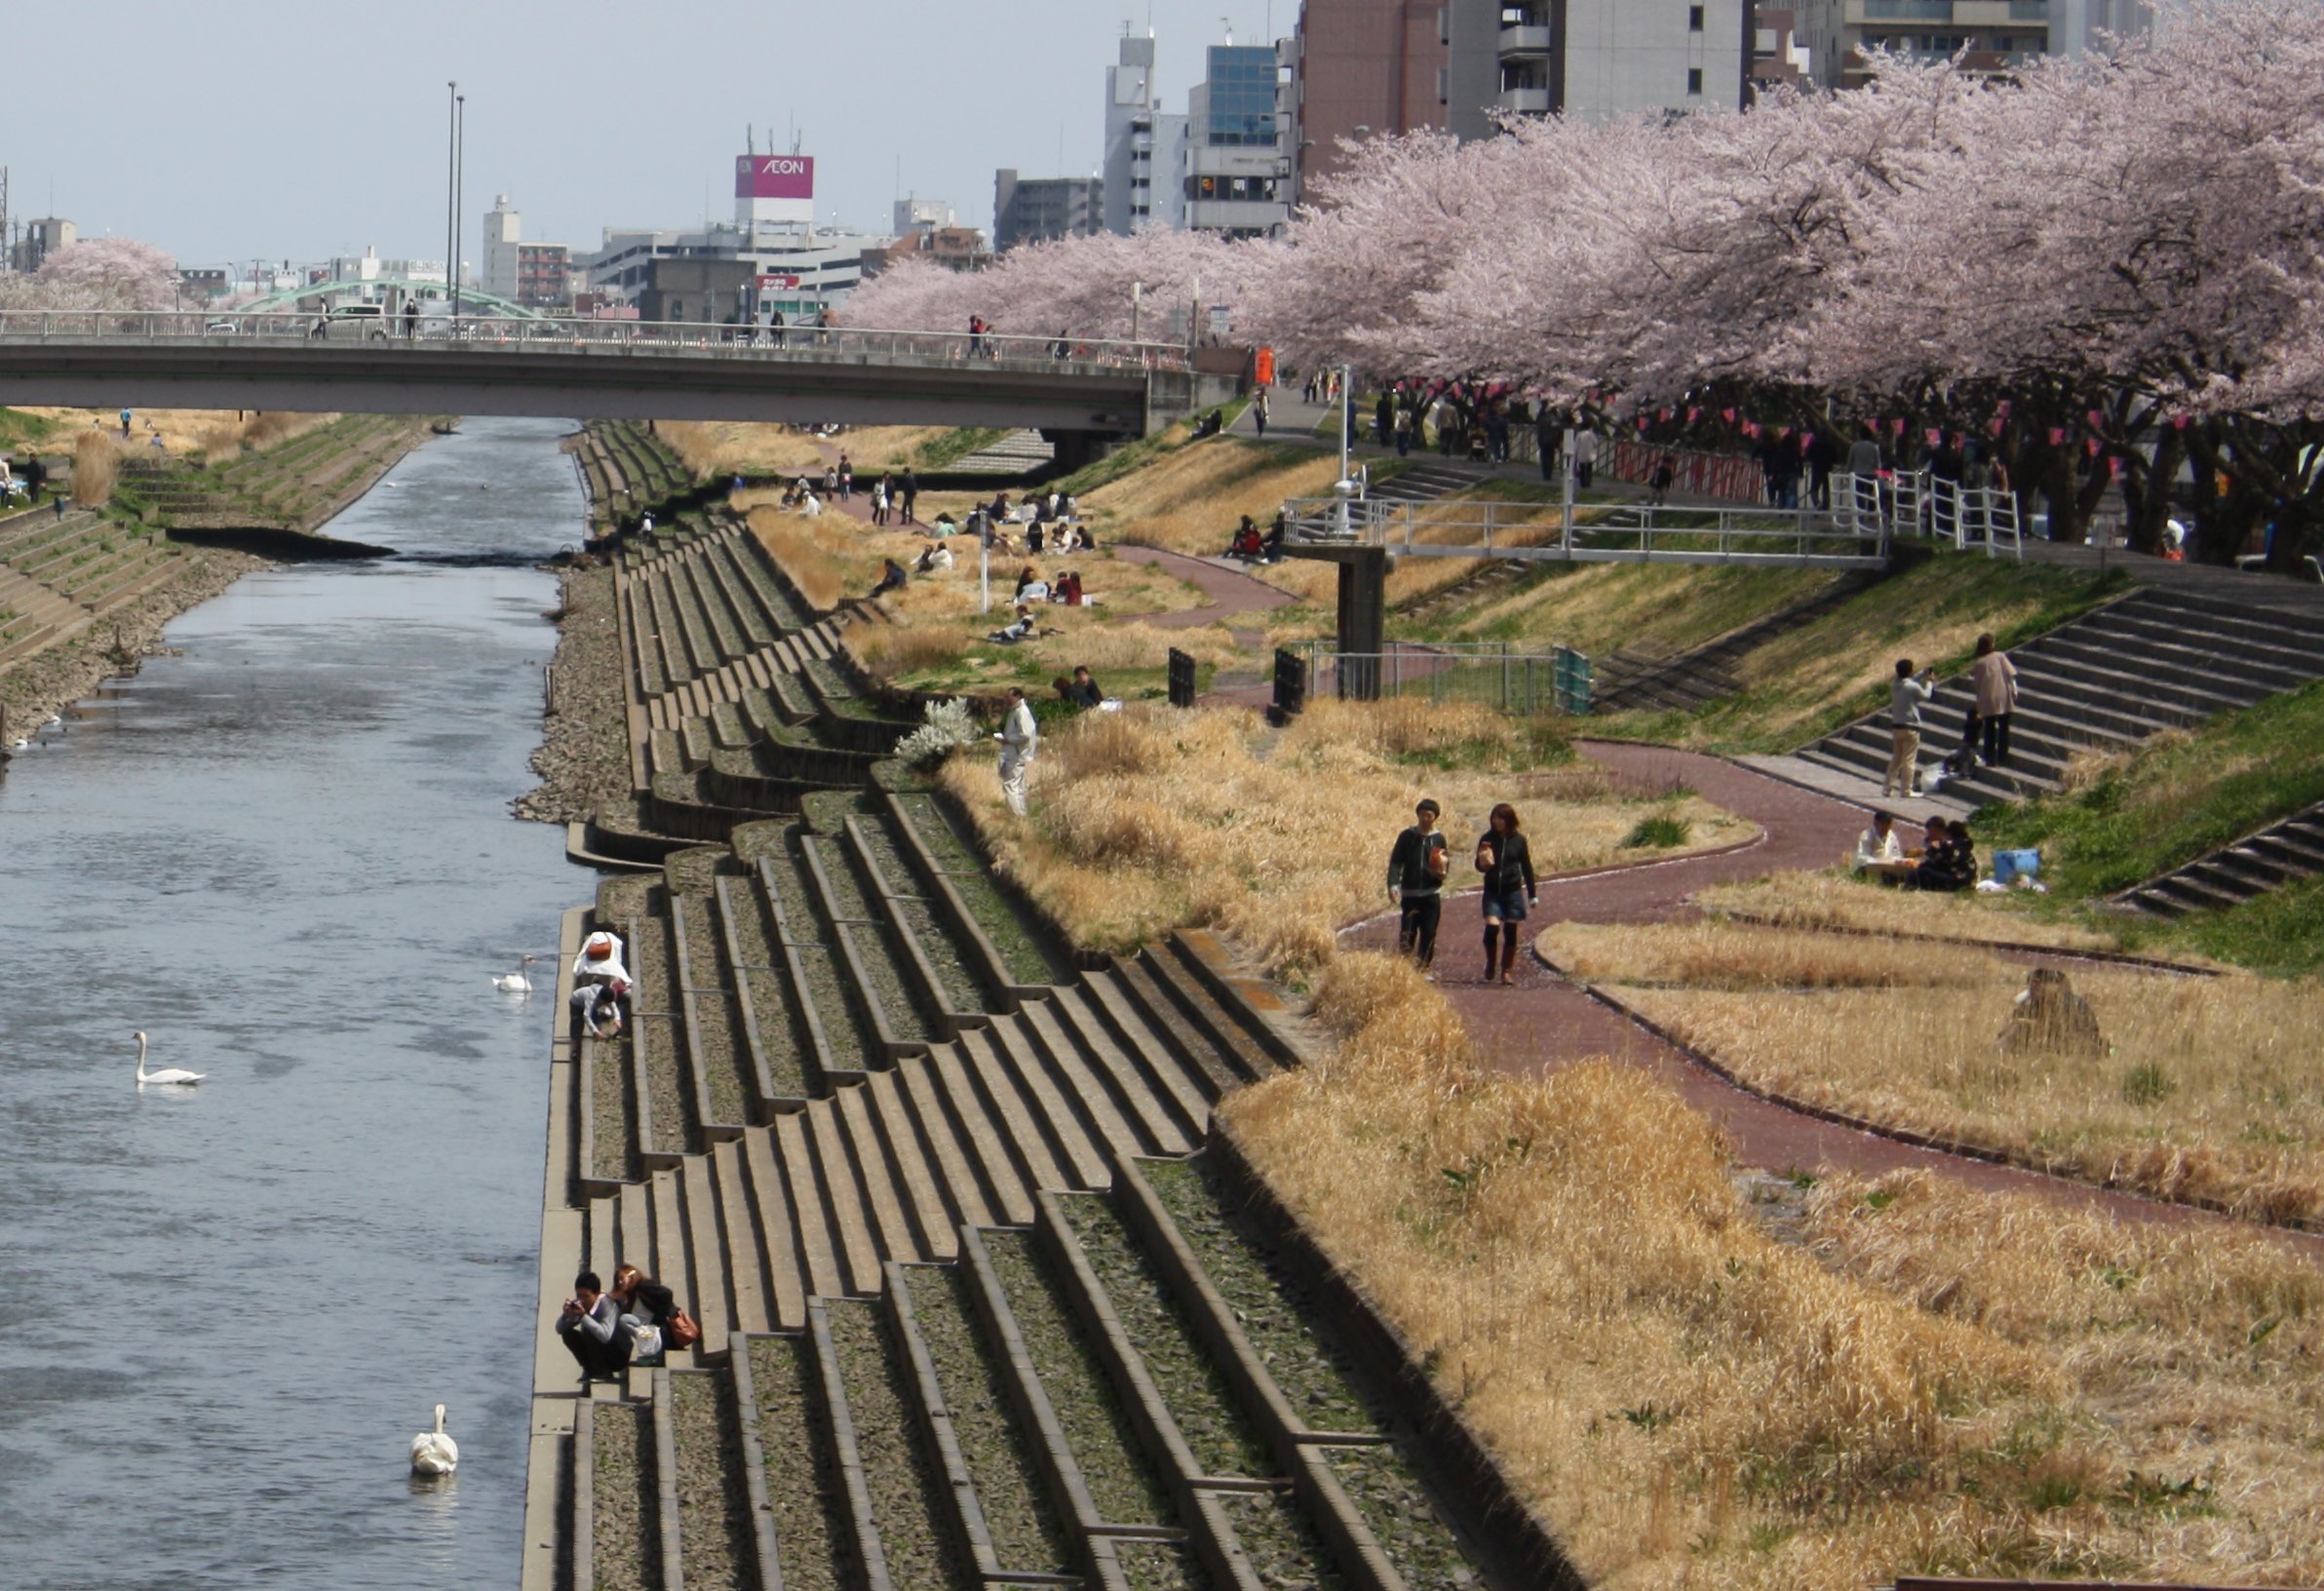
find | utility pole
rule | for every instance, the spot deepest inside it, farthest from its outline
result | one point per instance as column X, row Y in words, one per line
column 452, row 163
column 459, row 196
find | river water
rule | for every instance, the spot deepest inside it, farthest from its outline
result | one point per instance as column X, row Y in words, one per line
column 287, row 855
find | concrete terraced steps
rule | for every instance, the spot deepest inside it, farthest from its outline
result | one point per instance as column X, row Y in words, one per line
column 2253, row 866
column 1088, row 1399
column 859, row 1125
column 2156, row 659
column 626, row 469
column 1018, row 453
column 58, row 576
column 741, row 702
column 1701, row 674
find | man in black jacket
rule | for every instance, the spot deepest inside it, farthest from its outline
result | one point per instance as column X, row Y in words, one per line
column 1417, row 870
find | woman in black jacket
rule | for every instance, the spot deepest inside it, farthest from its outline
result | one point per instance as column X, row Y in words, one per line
column 643, row 1302
column 1507, row 862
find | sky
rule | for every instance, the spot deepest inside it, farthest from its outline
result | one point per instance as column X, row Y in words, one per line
column 258, row 127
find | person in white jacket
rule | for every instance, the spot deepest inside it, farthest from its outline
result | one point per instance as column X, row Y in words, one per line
column 600, row 981
column 1020, row 738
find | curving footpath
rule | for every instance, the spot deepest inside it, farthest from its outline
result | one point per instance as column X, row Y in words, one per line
column 1548, row 1022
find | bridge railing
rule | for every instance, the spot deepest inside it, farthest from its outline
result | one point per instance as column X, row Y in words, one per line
column 1545, row 532
column 581, row 335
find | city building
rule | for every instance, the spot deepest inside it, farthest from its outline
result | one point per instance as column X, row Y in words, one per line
column 1599, row 58
column 1036, row 210
column 955, row 248
column 1366, row 67
column 199, row 282
column 1778, row 59
column 1234, row 167
column 41, row 239
column 786, row 263
column 916, row 214
column 537, row 275
column 1143, row 141
column 1992, row 36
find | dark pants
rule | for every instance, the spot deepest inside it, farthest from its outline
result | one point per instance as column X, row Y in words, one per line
column 601, row 1359
column 1582, row 473
column 1416, row 927
column 1996, row 739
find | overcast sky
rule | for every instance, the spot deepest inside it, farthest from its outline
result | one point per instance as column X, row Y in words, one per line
column 263, row 128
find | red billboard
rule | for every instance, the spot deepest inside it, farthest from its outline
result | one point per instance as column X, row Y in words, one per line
column 774, row 177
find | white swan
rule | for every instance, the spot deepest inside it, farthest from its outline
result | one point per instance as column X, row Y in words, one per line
column 515, row 983
column 433, row 1452
column 168, row 1074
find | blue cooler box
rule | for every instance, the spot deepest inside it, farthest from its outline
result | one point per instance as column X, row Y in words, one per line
column 2009, row 866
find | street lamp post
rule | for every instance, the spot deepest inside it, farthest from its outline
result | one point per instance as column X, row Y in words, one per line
column 451, row 166
column 459, row 195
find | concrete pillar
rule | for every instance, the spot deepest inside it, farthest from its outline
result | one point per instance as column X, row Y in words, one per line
column 1363, row 620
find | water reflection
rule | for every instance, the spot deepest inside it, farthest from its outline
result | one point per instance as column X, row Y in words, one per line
column 285, row 855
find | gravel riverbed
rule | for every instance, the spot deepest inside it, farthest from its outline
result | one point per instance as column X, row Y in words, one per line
column 584, row 755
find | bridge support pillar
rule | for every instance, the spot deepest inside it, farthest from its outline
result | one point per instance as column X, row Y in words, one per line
column 1363, row 620
column 1078, row 450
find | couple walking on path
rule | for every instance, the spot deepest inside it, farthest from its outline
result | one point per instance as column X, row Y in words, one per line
column 1418, row 866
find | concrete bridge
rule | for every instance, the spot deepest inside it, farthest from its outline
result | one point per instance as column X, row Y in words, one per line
column 334, row 361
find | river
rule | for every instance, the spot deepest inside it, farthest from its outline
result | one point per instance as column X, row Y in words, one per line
column 287, row 855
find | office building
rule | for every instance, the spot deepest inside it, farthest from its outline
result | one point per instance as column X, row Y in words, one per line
column 1037, row 210
column 537, row 275
column 1234, row 172
column 1143, row 146
column 1778, row 59
column 1599, row 58
column 1992, row 36
column 1361, row 67
column 41, row 239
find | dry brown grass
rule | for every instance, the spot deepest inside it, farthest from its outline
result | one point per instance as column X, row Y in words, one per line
column 1151, row 820
column 1693, row 1404
column 225, row 437
column 219, row 434
column 822, row 562
column 96, row 467
column 721, row 448
column 1835, row 901
column 2212, row 1088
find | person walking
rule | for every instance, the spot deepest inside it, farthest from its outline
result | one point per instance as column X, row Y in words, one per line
column 1996, row 680
column 1585, row 456
column 1506, row 859
column 1908, row 693
column 1383, row 416
column 1403, row 431
column 1019, row 739
column 879, row 501
column 1547, row 436
column 1259, row 413
column 1417, row 869
column 911, row 494
column 846, row 479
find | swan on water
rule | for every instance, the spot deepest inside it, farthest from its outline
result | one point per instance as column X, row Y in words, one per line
column 433, row 1452
column 168, row 1074
column 515, row 983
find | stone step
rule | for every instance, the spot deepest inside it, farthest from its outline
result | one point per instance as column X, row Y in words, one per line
column 902, row 1483
column 709, row 1480
column 845, row 1203
column 745, row 1246
column 1073, row 1125
column 972, row 1188
column 806, row 1518
column 781, row 1235
column 1125, row 1013
column 1132, row 1116
column 1167, row 1090
column 620, row 1522
column 990, row 1137
column 808, row 1208
column 879, row 1180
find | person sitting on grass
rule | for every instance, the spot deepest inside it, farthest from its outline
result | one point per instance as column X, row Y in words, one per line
column 1067, row 589
column 935, row 559
column 1031, row 587
column 1270, row 545
column 891, row 578
column 944, row 526
column 1950, row 864
column 1081, row 690
column 1018, row 630
column 1880, row 852
column 1246, row 543
column 590, row 1329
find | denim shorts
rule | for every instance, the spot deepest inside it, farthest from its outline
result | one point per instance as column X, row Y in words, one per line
column 1500, row 908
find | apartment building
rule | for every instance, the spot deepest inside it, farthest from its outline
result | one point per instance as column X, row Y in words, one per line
column 1994, row 36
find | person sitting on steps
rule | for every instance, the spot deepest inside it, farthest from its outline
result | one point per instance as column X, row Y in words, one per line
column 591, row 1329
column 600, row 982
column 1506, row 859
column 645, row 1305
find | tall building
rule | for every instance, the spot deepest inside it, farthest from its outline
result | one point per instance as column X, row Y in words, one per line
column 1133, row 110
column 1365, row 66
column 1597, row 58
column 1036, row 210
column 1990, row 35
column 1234, row 171
column 41, row 239
column 916, row 214
column 1778, row 59
column 504, row 230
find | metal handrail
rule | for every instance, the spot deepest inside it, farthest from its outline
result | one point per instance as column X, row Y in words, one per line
column 582, row 334
column 1536, row 530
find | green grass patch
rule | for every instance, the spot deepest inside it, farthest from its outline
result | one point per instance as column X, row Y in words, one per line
column 1806, row 681
column 954, row 445
column 2177, row 798
column 1661, row 832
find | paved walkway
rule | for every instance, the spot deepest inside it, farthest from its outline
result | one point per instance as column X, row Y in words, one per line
column 1545, row 1022
column 1232, row 593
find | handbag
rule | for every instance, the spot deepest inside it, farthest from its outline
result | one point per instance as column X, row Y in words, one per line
column 684, row 1333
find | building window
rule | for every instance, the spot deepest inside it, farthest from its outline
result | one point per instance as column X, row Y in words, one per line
column 1694, row 18
column 1694, row 80
column 1443, row 84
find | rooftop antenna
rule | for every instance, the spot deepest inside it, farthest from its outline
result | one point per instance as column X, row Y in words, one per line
column 1228, row 22
column 750, row 139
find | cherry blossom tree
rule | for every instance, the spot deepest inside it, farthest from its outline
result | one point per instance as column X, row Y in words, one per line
column 108, row 273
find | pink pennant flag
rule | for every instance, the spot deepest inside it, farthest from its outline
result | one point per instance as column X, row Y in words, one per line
column 2092, row 445
column 1751, row 428
column 2057, row 435
column 2004, row 409
column 1999, row 424
column 1896, row 427
column 1693, row 413
column 2179, row 421
column 2114, row 466
column 1782, row 431
column 1642, row 423
column 1662, row 414
column 2097, row 420
column 1728, row 416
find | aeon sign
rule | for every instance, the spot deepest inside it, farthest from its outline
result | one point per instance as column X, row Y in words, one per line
column 774, row 177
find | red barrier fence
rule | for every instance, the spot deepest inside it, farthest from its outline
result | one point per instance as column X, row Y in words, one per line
column 1730, row 477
